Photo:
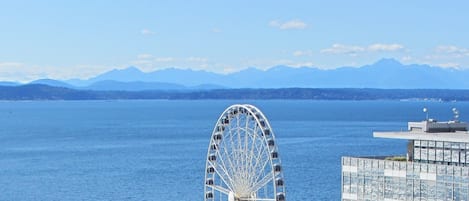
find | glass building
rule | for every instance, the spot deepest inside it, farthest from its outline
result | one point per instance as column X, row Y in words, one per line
column 435, row 168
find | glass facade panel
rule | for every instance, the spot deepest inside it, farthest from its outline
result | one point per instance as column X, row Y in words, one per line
column 439, row 144
column 467, row 157
column 431, row 143
column 431, row 154
column 388, row 188
column 462, row 157
column 353, row 162
column 345, row 161
column 424, row 154
column 417, row 153
column 424, row 143
column 377, row 180
column 455, row 156
column 387, row 165
column 439, row 155
column 423, row 168
column 447, row 145
column 447, row 155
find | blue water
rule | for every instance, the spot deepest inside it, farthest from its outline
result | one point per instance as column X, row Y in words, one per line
column 156, row 150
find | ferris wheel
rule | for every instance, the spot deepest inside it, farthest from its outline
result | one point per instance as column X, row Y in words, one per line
column 243, row 162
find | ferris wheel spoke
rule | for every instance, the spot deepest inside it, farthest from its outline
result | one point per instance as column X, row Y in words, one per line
column 258, row 152
column 235, row 145
column 259, row 161
column 264, row 181
column 251, row 153
column 246, row 142
column 234, row 156
column 221, row 189
column 242, row 147
column 222, row 176
column 227, row 156
column 229, row 148
column 238, row 134
column 222, row 164
column 225, row 173
column 262, row 169
column 243, row 154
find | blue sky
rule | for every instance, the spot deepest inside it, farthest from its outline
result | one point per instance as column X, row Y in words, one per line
column 79, row 39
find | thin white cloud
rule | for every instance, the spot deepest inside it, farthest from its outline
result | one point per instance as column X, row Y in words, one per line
column 449, row 65
column 13, row 71
column 21, row 72
column 292, row 24
column 228, row 70
column 433, row 57
column 10, row 64
column 354, row 50
column 385, row 47
column 451, row 50
column 143, row 62
column 343, row 49
column 147, row 32
column 149, row 62
column 291, row 63
column 216, row 30
column 203, row 66
column 274, row 23
column 197, row 59
column 300, row 53
column 145, row 56
column 448, row 56
column 445, row 56
column 164, row 59
column 265, row 64
column 406, row 58
column 302, row 64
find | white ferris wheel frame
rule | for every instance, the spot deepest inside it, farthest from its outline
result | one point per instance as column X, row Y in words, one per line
column 246, row 165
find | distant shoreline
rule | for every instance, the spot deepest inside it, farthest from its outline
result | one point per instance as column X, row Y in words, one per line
column 45, row 92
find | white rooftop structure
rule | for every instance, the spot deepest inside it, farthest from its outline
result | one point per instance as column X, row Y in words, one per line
column 450, row 131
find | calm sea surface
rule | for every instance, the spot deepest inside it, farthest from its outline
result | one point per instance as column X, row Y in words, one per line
column 156, row 150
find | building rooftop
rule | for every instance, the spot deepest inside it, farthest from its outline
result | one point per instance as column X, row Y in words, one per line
column 433, row 126
column 459, row 136
column 430, row 129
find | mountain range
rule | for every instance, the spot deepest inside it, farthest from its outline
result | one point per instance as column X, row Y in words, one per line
column 385, row 74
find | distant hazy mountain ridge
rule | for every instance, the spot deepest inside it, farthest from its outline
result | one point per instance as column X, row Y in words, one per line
column 385, row 73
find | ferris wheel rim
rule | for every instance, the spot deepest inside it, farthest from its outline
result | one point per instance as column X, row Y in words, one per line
column 232, row 181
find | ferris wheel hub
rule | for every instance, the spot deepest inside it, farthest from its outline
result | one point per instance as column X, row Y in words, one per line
column 231, row 196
